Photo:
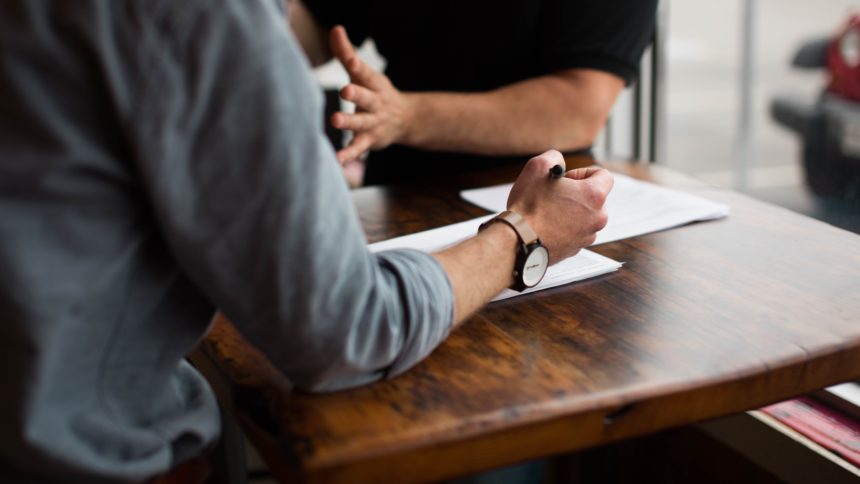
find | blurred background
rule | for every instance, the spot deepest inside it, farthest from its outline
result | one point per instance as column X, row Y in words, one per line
column 720, row 67
column 705, row 51
column 704, row 103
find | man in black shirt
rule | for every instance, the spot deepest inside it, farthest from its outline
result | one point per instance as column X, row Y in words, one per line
column 475, row 84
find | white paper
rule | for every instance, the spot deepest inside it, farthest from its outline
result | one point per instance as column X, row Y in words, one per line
column 433, row 240
column 850, row 392
column 634, row 207
column 583, row 265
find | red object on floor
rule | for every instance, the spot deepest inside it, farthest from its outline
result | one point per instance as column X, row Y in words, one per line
column 843, row 61
column 821, row 424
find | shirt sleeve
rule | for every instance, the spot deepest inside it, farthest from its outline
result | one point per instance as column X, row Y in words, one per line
column 352, row 14
column 254, row 208
column 608, row 35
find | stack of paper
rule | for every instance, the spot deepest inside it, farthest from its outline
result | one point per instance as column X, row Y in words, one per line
column 634, row 207
column 584, row 265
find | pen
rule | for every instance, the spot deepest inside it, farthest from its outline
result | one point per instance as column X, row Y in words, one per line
column 556, row 171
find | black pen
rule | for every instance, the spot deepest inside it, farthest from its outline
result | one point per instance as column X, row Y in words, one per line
column 556, row 171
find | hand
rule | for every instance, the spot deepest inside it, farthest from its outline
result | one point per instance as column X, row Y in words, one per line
column 566, row 213
column 382, row 112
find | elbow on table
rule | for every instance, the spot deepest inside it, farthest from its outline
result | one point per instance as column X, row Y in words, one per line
column 356, row 348
column 322, row 382
column 337, row 371
column 363, row 332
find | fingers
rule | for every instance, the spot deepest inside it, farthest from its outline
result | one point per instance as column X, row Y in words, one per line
column 357, row 146
column 602, row 180
column 359, row 72
column 540, row 165
column 600, row 177
column 548, row 159
column 553, row 156
column 599, row 181
column 362, row 97
column 600, row 222
column 342, row 48
column 582, row 173
column 340, row 45
column 353, row 122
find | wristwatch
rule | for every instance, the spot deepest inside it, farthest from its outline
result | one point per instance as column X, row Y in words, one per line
column 532, row 257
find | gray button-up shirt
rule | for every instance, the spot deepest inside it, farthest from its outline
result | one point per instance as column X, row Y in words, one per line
column 159, row 159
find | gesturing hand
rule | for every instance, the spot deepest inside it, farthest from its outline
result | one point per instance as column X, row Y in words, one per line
column 382, row 112
column 566, row 213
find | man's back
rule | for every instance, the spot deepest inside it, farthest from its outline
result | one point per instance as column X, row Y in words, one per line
column 86, row 279
column 158, row 159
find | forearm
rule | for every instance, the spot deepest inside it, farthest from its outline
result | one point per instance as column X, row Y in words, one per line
column 479, row 268
column 564, row 112
column 310, row 35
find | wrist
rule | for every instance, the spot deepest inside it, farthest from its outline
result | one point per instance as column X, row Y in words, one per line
column 532, row 257
column 413, row 104
column 502, row 241
column 502, row 236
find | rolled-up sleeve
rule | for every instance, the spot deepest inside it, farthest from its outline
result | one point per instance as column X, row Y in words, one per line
column 254, row 208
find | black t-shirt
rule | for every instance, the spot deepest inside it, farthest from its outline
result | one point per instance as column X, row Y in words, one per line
column 479, row 45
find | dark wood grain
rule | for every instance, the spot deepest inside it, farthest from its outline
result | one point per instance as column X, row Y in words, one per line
column 702, row 321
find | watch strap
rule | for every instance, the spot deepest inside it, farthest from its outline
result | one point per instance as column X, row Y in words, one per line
column 523, row 230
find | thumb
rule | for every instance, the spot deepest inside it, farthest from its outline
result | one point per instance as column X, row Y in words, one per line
column 599, row 178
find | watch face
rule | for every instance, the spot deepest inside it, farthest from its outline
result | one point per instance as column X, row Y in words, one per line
column 535, row 267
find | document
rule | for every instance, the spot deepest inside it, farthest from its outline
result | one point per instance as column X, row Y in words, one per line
column 584, row 265
column 634, row 207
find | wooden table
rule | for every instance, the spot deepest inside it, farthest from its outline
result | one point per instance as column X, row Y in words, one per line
column 702, row 321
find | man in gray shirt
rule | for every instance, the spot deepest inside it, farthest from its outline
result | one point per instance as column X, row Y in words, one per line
column 159, row 159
